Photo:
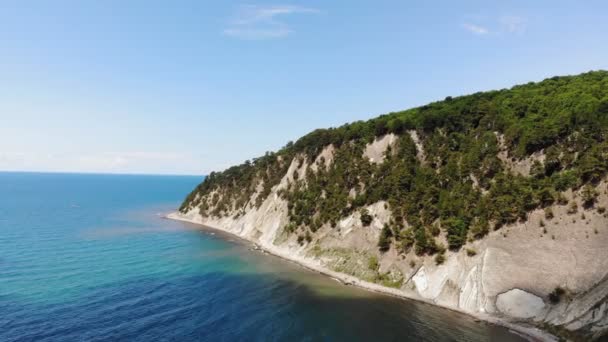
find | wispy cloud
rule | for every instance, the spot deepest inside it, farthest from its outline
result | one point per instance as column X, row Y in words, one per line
column 263, row 22
column 506, row 24
column 475, row 29
column 513, row 24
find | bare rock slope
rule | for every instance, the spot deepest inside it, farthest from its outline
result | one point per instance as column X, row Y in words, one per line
column 541, row 271
column 492, row 203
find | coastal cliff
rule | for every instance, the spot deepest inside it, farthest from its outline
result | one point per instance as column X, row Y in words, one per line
column 493, row 204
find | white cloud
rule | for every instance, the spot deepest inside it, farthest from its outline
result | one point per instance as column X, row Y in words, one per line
column 476, row 29
column 262, row 22
column 506, row 24
column 254, row 33
column 513, row 24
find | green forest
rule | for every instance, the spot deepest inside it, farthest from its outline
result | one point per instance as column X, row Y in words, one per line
column 461, row 187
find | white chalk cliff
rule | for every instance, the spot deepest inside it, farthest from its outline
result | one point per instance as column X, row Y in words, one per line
column 508, row 275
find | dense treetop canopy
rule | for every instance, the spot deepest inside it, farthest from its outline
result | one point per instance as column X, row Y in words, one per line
column 461, row 187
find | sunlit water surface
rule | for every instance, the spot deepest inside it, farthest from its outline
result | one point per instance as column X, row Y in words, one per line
column 89, row 258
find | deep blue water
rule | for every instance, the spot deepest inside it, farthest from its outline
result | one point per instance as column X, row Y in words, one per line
column 89, row 258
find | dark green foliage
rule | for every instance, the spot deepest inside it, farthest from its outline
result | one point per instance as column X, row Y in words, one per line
column 423, row 245
column 556, row 296
column 553, row 161
column 384, row 242
column 424, row 242
column 304, row 238
column 457, row 232
column 565, row 180
column 549, row 213
column 460, row 183
column 546, row 196
column 406, row 240
column 589, row 196
column 594, row 164
column 440, row 259
column 537, row 170
column 366, row 218
column 372, row 263
column 572, row 208
column 480, row 228
column 434, row 229
column 291, row 227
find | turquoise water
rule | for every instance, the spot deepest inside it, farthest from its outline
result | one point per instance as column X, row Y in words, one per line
column 89, row 258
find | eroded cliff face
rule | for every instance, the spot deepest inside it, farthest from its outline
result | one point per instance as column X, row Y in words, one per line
column 546, row 271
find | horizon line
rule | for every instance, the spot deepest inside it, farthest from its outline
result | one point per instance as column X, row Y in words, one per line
column 104, row 173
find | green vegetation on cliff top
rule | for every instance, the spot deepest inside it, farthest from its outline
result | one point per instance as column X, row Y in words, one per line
column 460, row 186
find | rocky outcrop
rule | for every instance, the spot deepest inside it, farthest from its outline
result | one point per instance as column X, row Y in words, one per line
column 519, row 304
column 375, row 151
column 542, row 271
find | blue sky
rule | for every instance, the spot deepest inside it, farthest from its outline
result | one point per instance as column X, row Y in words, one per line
column 187, row 87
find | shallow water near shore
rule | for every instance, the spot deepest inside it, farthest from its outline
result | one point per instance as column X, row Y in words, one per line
column 89, row 257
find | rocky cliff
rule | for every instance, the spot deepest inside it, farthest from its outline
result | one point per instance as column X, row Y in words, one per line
column 470, row 209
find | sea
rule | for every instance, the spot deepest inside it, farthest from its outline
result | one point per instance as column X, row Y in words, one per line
column 89, row 257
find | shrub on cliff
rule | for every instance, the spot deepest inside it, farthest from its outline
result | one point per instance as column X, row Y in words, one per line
column 439, row 259
column 384, row 241
column 480, row 228
column 456, row 231
column 589, row 196
column 372, row 263
column 406, row 240
column 556, row 295
column 366, row 218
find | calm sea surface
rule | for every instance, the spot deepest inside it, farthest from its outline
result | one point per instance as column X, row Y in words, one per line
column 89, row 258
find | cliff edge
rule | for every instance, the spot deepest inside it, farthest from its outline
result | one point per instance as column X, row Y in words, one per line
column 492, row 204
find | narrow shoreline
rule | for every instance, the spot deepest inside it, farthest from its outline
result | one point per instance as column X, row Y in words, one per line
column 530, row 333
